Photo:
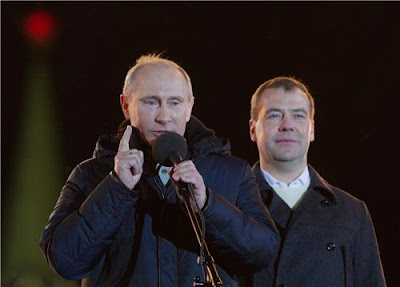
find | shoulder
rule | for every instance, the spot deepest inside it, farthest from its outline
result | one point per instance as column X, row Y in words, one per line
column 349, row 203
column 348, row 207
column 345, row 197
column 89, row 173
column 337, row 194
column 94, row 165
column 227, row 174
column 343, row 203
column 225, row 163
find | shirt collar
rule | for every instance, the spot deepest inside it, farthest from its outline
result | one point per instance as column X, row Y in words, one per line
column 301, row 180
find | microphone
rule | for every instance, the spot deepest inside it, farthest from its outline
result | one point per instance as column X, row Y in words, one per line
column 169, row 149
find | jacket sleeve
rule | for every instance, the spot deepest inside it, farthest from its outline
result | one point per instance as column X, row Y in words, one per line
column 368, row 269
column 81, row 228
column 242, row 233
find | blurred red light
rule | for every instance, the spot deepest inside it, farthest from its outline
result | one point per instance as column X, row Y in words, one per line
column 39, row 26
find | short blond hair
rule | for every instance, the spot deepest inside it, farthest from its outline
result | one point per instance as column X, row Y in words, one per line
column 151, row 59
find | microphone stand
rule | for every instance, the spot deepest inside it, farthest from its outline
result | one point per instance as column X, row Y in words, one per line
column 211, row 276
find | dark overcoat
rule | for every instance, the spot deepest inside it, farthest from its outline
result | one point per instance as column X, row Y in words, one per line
column 327, row 241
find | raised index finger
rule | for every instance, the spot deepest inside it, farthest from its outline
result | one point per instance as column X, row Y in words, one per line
column 124, row 142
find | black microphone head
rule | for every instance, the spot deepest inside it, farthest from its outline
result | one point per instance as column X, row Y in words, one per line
column 170, row 148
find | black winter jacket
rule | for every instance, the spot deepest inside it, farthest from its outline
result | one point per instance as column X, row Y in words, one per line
column 108, row 235
column 328, row 240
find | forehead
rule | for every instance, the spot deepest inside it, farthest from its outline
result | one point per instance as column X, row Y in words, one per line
column 280, row 98
column 159, row 79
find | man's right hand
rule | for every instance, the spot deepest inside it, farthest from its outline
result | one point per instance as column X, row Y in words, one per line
column 128, row 163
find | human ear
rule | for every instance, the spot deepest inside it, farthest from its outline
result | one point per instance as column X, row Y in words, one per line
column 124, row 105
column 252, row 130
column 189, row 110
column 312, row 131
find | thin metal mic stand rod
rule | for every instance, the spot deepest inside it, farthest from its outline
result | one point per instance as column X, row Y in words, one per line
column 208, row 259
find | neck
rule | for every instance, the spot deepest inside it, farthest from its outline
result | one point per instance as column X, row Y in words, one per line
column 284, row 171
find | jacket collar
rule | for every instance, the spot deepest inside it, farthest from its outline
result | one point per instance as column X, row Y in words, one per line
column 317, row 184
column 201, row 141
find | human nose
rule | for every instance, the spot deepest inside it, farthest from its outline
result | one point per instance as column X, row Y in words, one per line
column 163, row 114
column 286, row 124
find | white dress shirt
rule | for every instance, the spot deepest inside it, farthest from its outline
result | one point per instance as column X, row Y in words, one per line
column 292, row 192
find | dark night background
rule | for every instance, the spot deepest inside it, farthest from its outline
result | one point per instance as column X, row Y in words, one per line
column 348, row 53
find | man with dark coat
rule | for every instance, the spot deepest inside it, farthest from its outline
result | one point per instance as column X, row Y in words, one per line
column 119, row 221
column 327, row 236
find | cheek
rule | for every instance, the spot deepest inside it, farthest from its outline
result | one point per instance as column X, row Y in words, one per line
column 132, row 115
column 188, row 112
column 264, row 130
column 262, row 138
column 139, row 116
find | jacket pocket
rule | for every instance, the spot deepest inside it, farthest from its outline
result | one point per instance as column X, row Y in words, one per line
column 346, row 252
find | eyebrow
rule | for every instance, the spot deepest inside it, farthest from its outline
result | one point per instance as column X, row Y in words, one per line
column 273, row 110
column 155, row 97
column 149, row 97
column 291, row 110
column 299, row 110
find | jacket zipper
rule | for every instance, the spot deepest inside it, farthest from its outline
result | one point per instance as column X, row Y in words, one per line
column 160, row 190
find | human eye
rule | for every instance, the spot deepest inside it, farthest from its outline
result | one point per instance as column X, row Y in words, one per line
column 150, row 102
column 300, row 116
column 273, row 116
column 174, row 102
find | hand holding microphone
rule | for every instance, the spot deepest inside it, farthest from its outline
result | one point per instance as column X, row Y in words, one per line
column 186, row 172
column 170, row 149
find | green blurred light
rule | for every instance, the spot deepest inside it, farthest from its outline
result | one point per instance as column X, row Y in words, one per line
column 36, row 179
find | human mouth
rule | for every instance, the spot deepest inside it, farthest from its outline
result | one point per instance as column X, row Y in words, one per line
column 158, row 132
column 286, row 141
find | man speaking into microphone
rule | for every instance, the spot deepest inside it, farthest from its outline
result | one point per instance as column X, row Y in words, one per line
column 119, row 220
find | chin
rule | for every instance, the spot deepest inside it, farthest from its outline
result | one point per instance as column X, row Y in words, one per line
column 287, row 157
column 149, row 139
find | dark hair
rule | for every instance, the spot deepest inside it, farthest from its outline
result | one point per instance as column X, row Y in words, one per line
column 286, row 83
